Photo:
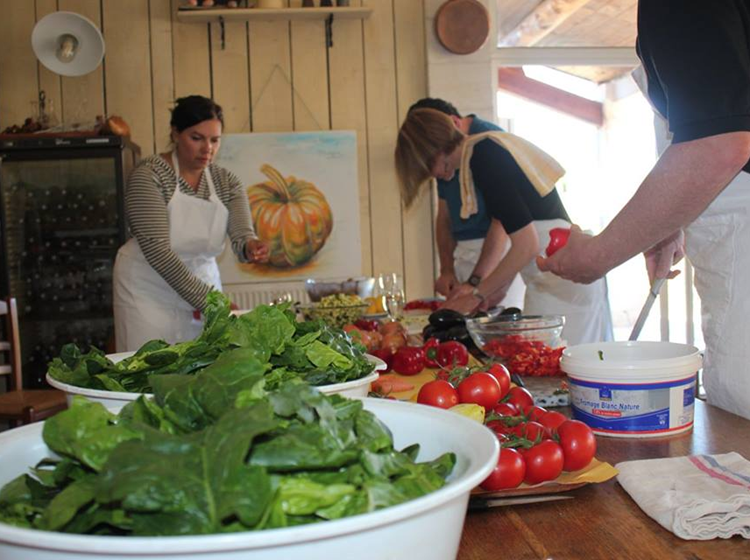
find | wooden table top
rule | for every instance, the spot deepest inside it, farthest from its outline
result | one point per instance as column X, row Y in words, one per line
column 603, row 521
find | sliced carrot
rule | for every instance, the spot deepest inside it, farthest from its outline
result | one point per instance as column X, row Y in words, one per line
column 389, row 383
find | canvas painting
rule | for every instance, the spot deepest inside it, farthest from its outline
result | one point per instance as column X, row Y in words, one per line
column 304, row 200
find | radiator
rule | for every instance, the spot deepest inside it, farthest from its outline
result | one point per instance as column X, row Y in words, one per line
column 247, row 296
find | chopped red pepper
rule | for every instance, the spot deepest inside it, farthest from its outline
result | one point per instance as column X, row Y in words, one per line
column 526, row 357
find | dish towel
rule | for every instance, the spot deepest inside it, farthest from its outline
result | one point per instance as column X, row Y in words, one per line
column 541, row 168
column 700, row 497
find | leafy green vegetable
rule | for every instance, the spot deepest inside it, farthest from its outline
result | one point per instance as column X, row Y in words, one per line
column 309, row 351
column 215, row 453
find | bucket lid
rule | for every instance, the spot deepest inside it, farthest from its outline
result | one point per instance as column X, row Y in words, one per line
column 631, row 360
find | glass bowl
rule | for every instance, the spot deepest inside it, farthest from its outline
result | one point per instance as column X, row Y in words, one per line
column 527, row 345
column 318, row 289
column 336, row 316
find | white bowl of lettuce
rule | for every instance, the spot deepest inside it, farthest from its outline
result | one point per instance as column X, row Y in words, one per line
column 290, row 349
column 161, row 488
column 353, row 389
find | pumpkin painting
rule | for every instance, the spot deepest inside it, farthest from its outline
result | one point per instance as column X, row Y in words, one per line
column 291, row 215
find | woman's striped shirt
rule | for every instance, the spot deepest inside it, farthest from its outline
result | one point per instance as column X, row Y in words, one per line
column 149, row 190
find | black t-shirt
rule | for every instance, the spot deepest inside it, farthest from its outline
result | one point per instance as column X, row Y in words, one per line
column 509, row 196
column 696, row 54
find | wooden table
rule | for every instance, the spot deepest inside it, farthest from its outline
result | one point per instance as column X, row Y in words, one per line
column 603, row 521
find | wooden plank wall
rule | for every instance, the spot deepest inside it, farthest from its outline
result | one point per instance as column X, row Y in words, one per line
column 270, row 77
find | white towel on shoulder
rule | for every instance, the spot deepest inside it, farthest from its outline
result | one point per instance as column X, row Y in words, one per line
column 700, row 497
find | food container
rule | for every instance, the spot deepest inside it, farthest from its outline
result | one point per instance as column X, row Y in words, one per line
column 526, row 344
column 335, row 316
column 362, row 287
column 633, row 389
column 353, row 389
column 394, row 532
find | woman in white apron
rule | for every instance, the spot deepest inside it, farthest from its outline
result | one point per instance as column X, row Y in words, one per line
column 429, row 145
column 163, row 273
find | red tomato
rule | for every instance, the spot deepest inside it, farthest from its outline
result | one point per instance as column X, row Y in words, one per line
column 438, row 393
column 479, row 388
column 558, row 238
column 578, row 444
column 497, row 426
column 544, row 462
column 535, row 412
column 520, row 398
column 501, row 373
column 385, row 355
column 508, row 473
column 552, row 420
column 408, row 360
column 534, row 431
column 430, row 352
column 505, row 409
column 452, row 353
column 367, row 324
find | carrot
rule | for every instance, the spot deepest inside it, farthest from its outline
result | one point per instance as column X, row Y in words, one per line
column 390, row 383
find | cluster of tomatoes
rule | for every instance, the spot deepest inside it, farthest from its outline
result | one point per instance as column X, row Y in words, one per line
column 526, row 357
column 537, row 444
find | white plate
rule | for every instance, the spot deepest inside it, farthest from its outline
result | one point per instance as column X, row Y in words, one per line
column 356, row 388
column 395, row 532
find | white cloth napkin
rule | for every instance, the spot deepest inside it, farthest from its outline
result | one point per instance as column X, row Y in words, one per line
column 700, row 497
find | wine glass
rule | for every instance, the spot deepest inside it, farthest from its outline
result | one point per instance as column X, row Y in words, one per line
column 391, row 289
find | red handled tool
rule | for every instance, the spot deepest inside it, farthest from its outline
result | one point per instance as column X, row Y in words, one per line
column 558, row 237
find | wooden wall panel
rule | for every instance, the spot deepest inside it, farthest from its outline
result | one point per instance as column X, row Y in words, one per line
column 191, row 57
column 18, row 78
column 349, row 112
column 229, row 75
column 309, row 76
column 49, row 82
column 83, row 96
column 162, row 71
column 382, row 127
column 128, row 68
column 270, row 77
column 411, row 80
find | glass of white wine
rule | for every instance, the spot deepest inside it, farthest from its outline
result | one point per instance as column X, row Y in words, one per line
column 391, row 289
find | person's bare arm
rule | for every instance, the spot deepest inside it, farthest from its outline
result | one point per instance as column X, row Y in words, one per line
column 684, row 181
column 446, row 247
column 524, row 245
column 493, row 248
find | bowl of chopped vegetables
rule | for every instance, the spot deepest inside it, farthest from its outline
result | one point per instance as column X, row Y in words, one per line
column 526, row 344
column 336, row 310
column 296, row 474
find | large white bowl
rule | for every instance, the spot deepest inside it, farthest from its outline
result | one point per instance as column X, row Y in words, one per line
column 428, row 528
column 353, row 389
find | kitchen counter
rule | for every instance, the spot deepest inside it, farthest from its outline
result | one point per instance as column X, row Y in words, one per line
column 603, row 521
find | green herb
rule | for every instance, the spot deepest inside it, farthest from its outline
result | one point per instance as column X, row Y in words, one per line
column 601, row 355
column 215, row 453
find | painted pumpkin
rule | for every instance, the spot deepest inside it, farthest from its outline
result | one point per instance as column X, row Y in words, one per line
column 291, row 215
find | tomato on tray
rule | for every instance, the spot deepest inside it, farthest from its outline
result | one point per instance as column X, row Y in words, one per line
column 479, row 388
column 578, row 444
column 438, row 393
column 509, row 472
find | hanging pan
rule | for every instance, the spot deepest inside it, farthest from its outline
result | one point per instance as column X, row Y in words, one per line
column 462, row 26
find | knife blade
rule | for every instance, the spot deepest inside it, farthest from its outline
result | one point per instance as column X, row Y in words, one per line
column 655, row 289
column 479, row 504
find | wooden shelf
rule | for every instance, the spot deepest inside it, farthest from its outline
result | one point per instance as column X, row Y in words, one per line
column 213, row 15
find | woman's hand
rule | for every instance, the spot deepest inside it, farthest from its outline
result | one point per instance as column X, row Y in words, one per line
column 256, row 251
column 463, row 304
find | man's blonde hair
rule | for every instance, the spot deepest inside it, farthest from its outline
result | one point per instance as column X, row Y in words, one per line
column 424, row 135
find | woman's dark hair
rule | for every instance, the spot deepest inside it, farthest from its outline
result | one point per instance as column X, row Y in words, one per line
column 193, row 109
column 438, row 104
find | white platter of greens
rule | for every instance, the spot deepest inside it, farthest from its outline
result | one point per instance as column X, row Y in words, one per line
column 215, row 466
column 311, row 351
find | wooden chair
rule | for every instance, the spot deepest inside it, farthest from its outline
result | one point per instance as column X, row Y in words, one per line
column 18, row 405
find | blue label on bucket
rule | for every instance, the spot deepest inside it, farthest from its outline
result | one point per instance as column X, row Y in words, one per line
column 650, row 407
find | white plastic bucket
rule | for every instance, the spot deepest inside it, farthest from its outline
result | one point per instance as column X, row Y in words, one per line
column 633, row 389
